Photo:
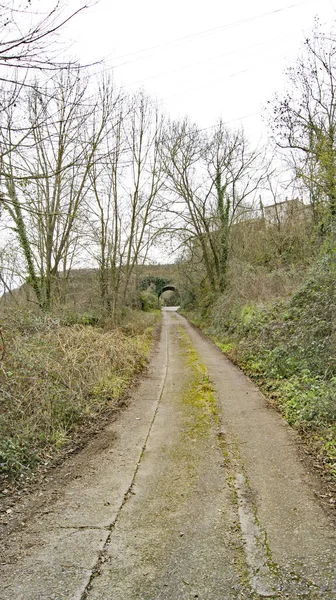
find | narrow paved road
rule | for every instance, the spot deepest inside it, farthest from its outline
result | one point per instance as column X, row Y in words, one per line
column 199, row 492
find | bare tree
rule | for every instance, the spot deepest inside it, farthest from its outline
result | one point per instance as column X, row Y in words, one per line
column 236, row 173
column 28, row 35
column 46, row 178
column 104, row 212
column 189, row 195
column 211, row 179
column 304, row 120
column 122, row 205
column 143, row 133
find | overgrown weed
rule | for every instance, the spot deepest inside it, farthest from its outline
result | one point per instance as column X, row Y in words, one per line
column 57, row 377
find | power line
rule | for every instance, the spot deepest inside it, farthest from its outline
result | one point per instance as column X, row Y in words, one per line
column 244, row 117
column 200, row 62
column 232, row 120
column 203, row 33
column 218, row 80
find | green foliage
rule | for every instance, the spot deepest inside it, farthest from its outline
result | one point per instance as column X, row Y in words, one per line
column 148, row 299
column 225, row 347
column 154, row 281
column 15, row 455
column 86, row 318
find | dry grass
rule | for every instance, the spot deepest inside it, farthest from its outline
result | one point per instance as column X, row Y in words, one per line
column 56, row 379
column 258, row 284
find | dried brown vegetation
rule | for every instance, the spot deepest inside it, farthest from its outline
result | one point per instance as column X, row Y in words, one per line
column 55, row 379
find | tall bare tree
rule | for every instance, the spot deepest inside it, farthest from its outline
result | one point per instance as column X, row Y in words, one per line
column 212, row 179
column 46, row 178
column 143, row 134
column 104, row 210
column 123, row 203
column 236, row 173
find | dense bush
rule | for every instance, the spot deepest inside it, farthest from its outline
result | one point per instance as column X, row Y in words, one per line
column 148, row 299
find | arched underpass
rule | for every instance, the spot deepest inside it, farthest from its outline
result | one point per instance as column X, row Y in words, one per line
column 172, row 300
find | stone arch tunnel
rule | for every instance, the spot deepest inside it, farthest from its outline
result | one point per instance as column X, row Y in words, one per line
column 169, row 288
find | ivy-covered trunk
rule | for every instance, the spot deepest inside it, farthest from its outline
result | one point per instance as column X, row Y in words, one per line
column 14, row 209
column 224, row 216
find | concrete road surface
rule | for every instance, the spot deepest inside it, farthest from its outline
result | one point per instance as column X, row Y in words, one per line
column 198, row 493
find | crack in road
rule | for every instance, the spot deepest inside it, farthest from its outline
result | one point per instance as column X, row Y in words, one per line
column 263, row 578
column 101, row 559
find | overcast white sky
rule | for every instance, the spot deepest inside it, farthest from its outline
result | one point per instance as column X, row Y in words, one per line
column 205, row 59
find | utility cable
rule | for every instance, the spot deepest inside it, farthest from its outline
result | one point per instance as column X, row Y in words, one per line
column 217, row 82
column 204, row 33
column 203, row 61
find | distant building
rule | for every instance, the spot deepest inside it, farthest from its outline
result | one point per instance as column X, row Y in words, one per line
column 274, row 214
